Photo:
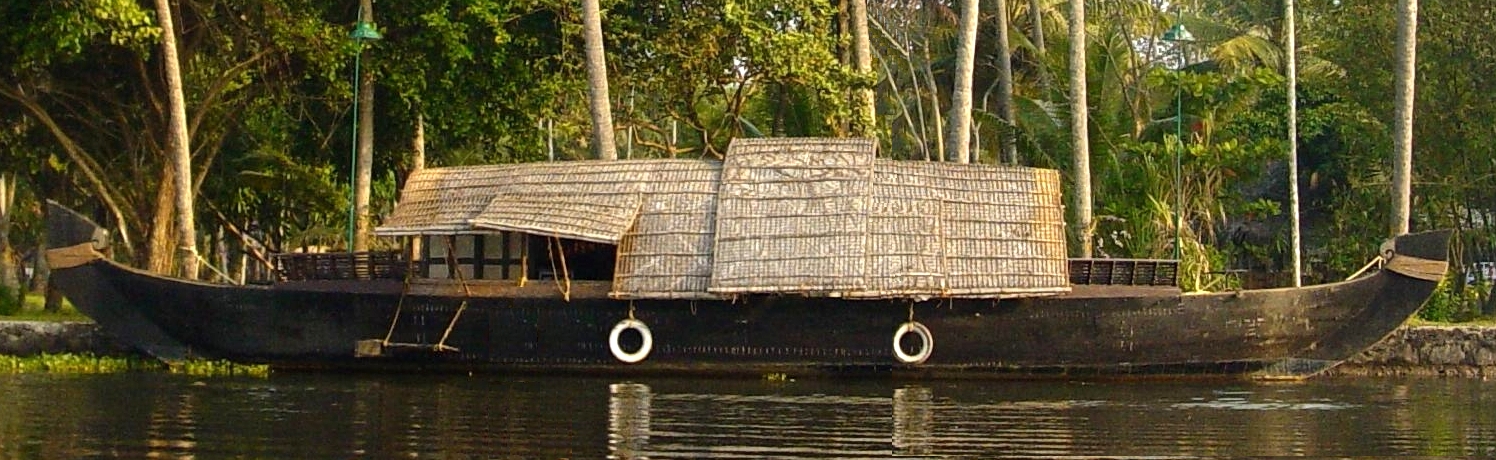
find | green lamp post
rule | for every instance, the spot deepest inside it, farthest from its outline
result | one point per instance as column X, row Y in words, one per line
column 1178, row 35
column 362, row 32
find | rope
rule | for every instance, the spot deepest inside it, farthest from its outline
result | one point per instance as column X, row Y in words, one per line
column 554, row 254
column 220, row 273
column 1417, row 267
column 410, row 264
column 467, row 293
column 524, row 258
column 565, row 273
column 1374, row 261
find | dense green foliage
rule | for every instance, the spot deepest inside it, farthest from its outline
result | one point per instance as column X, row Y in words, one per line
column 92, row 364
column 269, row 92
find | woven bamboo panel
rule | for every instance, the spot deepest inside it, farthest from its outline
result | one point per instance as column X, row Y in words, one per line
column 667, row 254
column 1002, row 227
column 906, row 257
column 942, row 229
column 792, row 217
column 591, row 217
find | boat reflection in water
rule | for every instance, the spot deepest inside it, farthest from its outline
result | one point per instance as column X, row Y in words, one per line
column 778, row 424
column 325, row 416
column 628, row 420
column 747, row 420
column 913, row 421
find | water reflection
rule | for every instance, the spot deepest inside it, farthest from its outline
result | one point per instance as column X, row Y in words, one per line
column 628, row 420
column 913, row 421
column 171, row 430
column 339, row 416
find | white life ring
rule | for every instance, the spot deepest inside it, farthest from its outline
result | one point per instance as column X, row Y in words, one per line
column 927, row 344
column 637, row 355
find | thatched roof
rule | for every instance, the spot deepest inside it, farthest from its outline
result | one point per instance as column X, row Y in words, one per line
column 443, row 200
column 824, row 217
column 1000, row 230
column 818, row 217
column 450, row 200
column 597, row 218
column 659, row 212
column 792, row 216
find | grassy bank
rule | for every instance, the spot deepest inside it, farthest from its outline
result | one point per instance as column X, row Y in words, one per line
column 1478, row 322
column 33, row 308
column 91, row 364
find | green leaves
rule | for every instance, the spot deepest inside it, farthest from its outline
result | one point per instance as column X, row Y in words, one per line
column 45, row 32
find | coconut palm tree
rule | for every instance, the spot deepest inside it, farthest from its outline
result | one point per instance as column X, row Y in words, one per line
column 958, row 136
column 1036, row 18
column 1079, row 137
column 862, row 50
column 1402, row 139
column 1008, row 138
column 176, row 141
column 1290, row 48
column 597, row 81
column 364, row 163
column 7, row 206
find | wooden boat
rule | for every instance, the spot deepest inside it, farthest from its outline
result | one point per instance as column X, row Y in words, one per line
column 790, row 256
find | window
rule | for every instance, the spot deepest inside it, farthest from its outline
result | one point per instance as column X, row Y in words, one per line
column 493, row 256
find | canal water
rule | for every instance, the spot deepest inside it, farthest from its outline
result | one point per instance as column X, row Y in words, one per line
column 139, row 415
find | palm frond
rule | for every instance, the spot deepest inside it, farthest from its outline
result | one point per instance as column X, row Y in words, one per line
column 1247, row 51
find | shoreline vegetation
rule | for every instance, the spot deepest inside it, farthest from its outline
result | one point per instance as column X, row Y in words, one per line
column 87, row 363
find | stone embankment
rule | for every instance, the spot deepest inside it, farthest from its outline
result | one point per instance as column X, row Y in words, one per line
column 29, row 338
column 1430, row 351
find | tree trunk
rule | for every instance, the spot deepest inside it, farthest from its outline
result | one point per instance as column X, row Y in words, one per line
column 52, row 300
column 1291, row 47
column 597, row 81
column 1488, row 307
column 862, row 51
column 8, row 262
column 364, row 170
column 1036, row 15
column 958, row 136
column 417, row 163
column 1008, row 135
column 929, row 74
column 418, row 144
column 160, row 246
column 41, row 273
column 1079, row 135
column 177, row 144
column 1402, row 137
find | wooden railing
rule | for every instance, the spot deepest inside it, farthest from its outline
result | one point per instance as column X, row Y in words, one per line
column 340, row 266
column 1126, row 272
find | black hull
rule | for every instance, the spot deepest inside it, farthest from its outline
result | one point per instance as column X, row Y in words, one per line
column 1291, row 332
